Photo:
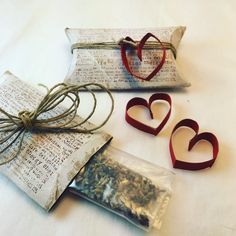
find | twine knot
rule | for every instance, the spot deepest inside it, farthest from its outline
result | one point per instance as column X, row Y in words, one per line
column 13, row 128
column 129, row 42
column 26, row 118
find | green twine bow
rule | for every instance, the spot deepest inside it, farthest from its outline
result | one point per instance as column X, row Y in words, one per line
column 13, row 128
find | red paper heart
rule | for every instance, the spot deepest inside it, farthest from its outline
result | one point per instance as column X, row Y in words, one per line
column 211, row 138
column 140, row 101
column 125, row 46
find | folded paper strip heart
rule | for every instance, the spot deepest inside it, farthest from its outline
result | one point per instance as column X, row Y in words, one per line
column 211, row 138
column 127, row 42
column 140, row 101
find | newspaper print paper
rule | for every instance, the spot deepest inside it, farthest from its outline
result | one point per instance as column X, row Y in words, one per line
column 105, row 65
column 47, row 162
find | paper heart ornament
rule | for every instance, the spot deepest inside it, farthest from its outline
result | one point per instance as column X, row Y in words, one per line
column 140, row 101
column 125, row 44
column 211, row 138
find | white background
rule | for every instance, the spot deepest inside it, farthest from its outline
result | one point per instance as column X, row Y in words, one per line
column 34, row 47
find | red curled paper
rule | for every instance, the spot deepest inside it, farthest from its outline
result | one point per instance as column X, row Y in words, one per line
column 140, row 101
column 211, row 138
column 125, row 46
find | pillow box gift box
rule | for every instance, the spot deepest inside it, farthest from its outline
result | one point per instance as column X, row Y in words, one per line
column 104, row 65
column 47, row 162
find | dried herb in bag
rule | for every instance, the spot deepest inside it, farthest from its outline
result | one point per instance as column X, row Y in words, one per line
column 109, row 183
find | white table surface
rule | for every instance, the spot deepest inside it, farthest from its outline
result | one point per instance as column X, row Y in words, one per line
column 34, row 47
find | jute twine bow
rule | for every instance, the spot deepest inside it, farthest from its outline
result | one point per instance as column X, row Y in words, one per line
column 13, row 128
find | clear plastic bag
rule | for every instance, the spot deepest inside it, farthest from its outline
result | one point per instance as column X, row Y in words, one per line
column 135, row 189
